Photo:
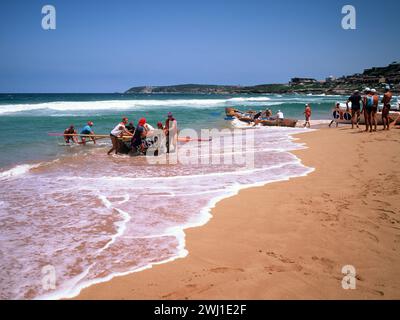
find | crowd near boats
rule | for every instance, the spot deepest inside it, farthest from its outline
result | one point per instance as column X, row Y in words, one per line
column 358, row 109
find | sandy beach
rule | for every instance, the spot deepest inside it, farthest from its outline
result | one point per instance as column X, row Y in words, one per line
column 290, row 240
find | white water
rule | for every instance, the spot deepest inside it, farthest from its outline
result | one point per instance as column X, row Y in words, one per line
column 110, row 216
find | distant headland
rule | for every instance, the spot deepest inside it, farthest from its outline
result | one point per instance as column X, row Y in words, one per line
column 377, row 77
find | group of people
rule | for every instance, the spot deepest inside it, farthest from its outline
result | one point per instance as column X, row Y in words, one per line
column 71, row 135
column 125, row 137
column 139, row 138
column 369, row 103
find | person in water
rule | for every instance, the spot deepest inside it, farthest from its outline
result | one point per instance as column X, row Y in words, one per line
column 336, row 112
column 307, row 114
column 386, row 107
column 116, row 133
column 355, row 100
column 67, row 134
column 138, row 137
column 130, row 127
column 171, row 132
column 87, row 130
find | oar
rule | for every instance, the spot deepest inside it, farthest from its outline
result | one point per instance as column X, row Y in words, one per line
column 58, row 134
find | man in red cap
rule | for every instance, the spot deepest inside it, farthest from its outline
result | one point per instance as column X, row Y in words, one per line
column 138, row 136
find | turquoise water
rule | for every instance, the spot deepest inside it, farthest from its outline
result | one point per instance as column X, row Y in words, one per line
column 25, row 119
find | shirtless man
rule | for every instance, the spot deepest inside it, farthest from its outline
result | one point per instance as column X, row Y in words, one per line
column 386, row 107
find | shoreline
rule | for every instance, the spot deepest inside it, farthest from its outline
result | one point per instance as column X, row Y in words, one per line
column 293, row 254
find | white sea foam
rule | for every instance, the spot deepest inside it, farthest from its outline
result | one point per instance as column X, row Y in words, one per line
column 124, row 104
column 17, row 171
column 126, row 215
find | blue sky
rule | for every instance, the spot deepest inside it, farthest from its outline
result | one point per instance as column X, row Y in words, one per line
column 109, row 46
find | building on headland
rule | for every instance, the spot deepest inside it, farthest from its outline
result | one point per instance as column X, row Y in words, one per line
column 330, row 79
column 300, row 81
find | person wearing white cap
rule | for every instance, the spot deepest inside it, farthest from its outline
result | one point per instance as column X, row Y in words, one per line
column 374, row 109
column 386, row 107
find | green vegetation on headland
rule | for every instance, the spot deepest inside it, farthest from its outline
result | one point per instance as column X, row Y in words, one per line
column 376, row 77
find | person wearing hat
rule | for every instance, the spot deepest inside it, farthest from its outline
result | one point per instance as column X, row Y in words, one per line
column 171, row 132
column 355, row 100
column 374, row 109
column 386, row 107
column 367, row 102
column 87, row 130
column 307, row 114
column 138, row 137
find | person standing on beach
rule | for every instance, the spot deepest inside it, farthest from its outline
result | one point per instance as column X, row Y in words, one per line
column 116, row 133
column 307, row 113
column 374, row 109
column 87, row 130
column 367, row 108
column 355, row 100
column 171, row 132
column 336, row 115
column 386, row 107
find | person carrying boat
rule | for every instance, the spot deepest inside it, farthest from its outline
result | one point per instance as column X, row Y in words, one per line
column 307, row 114
column 87, row 130
column 138, row 137
column 171, row 132
column 386, row 107
column 68, row 134
column 130, row 127
column 116, row 133
column 355, row 100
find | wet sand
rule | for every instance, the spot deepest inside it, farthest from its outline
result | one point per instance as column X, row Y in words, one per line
column 290, row 240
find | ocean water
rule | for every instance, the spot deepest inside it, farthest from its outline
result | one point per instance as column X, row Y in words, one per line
column 89, row 217
column 25, row 119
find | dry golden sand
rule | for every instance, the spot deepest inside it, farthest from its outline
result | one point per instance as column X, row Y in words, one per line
column 290, row 240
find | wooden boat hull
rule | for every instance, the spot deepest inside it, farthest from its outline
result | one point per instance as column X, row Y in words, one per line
column 231, row 112
column 280, row 123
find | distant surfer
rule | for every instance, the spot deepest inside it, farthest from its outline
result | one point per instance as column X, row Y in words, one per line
column 386, row 107
column 68, row 134
column 87, row 130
